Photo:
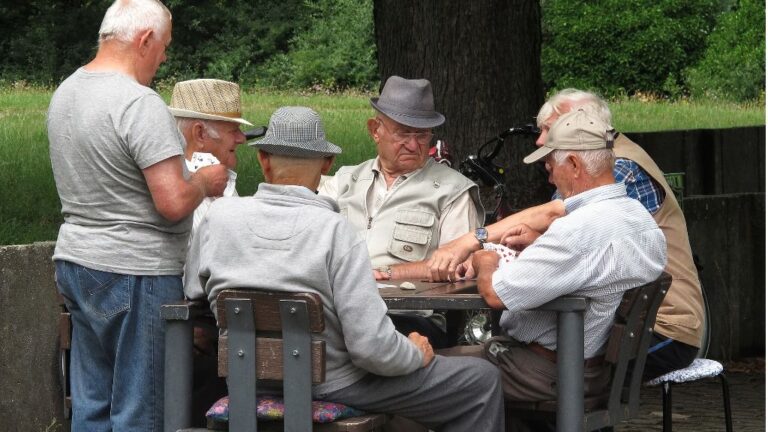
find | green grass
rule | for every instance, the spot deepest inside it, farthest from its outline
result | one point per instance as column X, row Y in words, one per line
column 631, row 115
column 29, row 205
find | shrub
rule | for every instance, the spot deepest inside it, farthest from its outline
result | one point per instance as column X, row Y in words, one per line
column 227, row 39
column 337, row 51
column 623, row 46
column 733, row 65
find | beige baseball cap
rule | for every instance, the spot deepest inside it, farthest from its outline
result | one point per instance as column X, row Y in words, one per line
column 576, row 130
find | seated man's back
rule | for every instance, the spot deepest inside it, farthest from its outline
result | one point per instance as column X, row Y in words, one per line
column 287, row 238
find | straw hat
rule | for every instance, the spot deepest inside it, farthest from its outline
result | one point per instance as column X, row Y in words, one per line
column 409, row 102
column 297, row 132
column 207, row 99
column 576, row 130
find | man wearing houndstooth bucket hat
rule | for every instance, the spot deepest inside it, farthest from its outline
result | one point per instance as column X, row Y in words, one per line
column 296, row 132
column 288, row 238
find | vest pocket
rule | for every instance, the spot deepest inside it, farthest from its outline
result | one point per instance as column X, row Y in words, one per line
column 412, row 235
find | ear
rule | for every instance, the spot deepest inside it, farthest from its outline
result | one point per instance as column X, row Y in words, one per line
column 373, row 129
column 266, row 165
column 575, row 164
column 327, row 164
column 198, row 133
column 143, row 40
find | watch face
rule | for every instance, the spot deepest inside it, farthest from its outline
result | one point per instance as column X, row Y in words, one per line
column 481, row 234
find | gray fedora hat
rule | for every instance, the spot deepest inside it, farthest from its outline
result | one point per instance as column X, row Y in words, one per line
column 298, row 132
column 409, row 102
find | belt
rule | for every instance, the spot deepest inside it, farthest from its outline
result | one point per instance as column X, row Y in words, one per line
column 552, row 355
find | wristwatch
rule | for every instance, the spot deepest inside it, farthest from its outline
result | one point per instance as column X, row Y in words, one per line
column 481, row 234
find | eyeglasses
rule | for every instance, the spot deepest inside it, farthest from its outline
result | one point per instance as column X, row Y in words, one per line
column 422, row 138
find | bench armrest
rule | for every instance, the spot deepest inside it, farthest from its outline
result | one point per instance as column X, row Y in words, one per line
column 565, row 304
column 184, row 310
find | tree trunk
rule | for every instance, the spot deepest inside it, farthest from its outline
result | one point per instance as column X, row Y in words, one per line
column 483, row 59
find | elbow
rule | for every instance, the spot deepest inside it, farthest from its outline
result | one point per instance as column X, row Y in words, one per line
column 494, row 302
column 169, row 211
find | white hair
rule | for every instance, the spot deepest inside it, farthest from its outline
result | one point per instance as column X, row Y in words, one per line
column 183, row 123
column 126, row 18
column 575, row 99
column 596, row 162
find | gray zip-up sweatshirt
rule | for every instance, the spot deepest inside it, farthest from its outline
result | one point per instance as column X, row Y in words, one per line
column 288, row 238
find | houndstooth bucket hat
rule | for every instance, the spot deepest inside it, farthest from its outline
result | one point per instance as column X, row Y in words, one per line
column 297, row 132
column 207, row 99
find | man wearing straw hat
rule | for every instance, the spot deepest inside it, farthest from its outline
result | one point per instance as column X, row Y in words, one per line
column 287, row 237
column 208, row 113
column 126, row 199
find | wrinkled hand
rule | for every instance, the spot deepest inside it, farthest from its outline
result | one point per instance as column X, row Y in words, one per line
column 466, row 270
column 444, row 261
column 422, row 343
column 484, row 262
column 214, row 178
column 380, row 275
column 519, row 237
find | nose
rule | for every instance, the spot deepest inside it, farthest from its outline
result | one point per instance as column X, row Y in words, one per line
column 239, row 138
column 542, row 138
column 411, row 143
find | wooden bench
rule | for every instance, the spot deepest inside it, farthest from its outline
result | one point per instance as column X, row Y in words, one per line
column 268, row 338
column 65, row 347
column 625, row 354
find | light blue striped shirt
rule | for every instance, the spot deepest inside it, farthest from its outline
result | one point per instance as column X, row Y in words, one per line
column 606, row 244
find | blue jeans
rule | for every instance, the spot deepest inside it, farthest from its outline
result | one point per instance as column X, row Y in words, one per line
column 117, row 347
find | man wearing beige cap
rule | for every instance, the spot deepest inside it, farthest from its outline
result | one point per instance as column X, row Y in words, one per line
column 286, row 237
column 126, row 200
column 605, row 244
column 209, row 114
column 679, row 325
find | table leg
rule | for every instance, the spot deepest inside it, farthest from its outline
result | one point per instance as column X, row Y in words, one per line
column 178, row 375
column 570, row 371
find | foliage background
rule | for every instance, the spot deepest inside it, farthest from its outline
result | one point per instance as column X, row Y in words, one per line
column 658, row 48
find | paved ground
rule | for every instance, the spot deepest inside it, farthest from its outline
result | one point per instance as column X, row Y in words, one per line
column 699, row 406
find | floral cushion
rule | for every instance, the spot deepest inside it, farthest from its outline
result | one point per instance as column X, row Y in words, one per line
column 273, row 408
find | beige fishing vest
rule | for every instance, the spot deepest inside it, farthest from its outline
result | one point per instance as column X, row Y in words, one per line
column 681, row 314
column 406, row 228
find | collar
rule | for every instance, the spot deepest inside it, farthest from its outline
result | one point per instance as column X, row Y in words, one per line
column 376, row 168
column 300, row 192
column 611, row 191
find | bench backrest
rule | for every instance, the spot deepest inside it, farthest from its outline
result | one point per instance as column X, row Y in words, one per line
column 627, row 348
column 268, row 337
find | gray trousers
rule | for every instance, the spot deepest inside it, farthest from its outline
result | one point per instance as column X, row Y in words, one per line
column 450, row 394
column 526, row 376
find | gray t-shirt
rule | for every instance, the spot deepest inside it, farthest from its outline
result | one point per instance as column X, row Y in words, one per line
column 103, row 129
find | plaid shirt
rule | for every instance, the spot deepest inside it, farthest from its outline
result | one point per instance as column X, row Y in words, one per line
column 640, row 185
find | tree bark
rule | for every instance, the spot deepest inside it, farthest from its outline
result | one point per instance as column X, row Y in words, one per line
column 483, row 59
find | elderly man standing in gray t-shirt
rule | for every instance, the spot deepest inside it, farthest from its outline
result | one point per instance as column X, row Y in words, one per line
column 126, row 199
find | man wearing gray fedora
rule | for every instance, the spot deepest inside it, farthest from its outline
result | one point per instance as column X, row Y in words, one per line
column 402, row 202
column 289, row 238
